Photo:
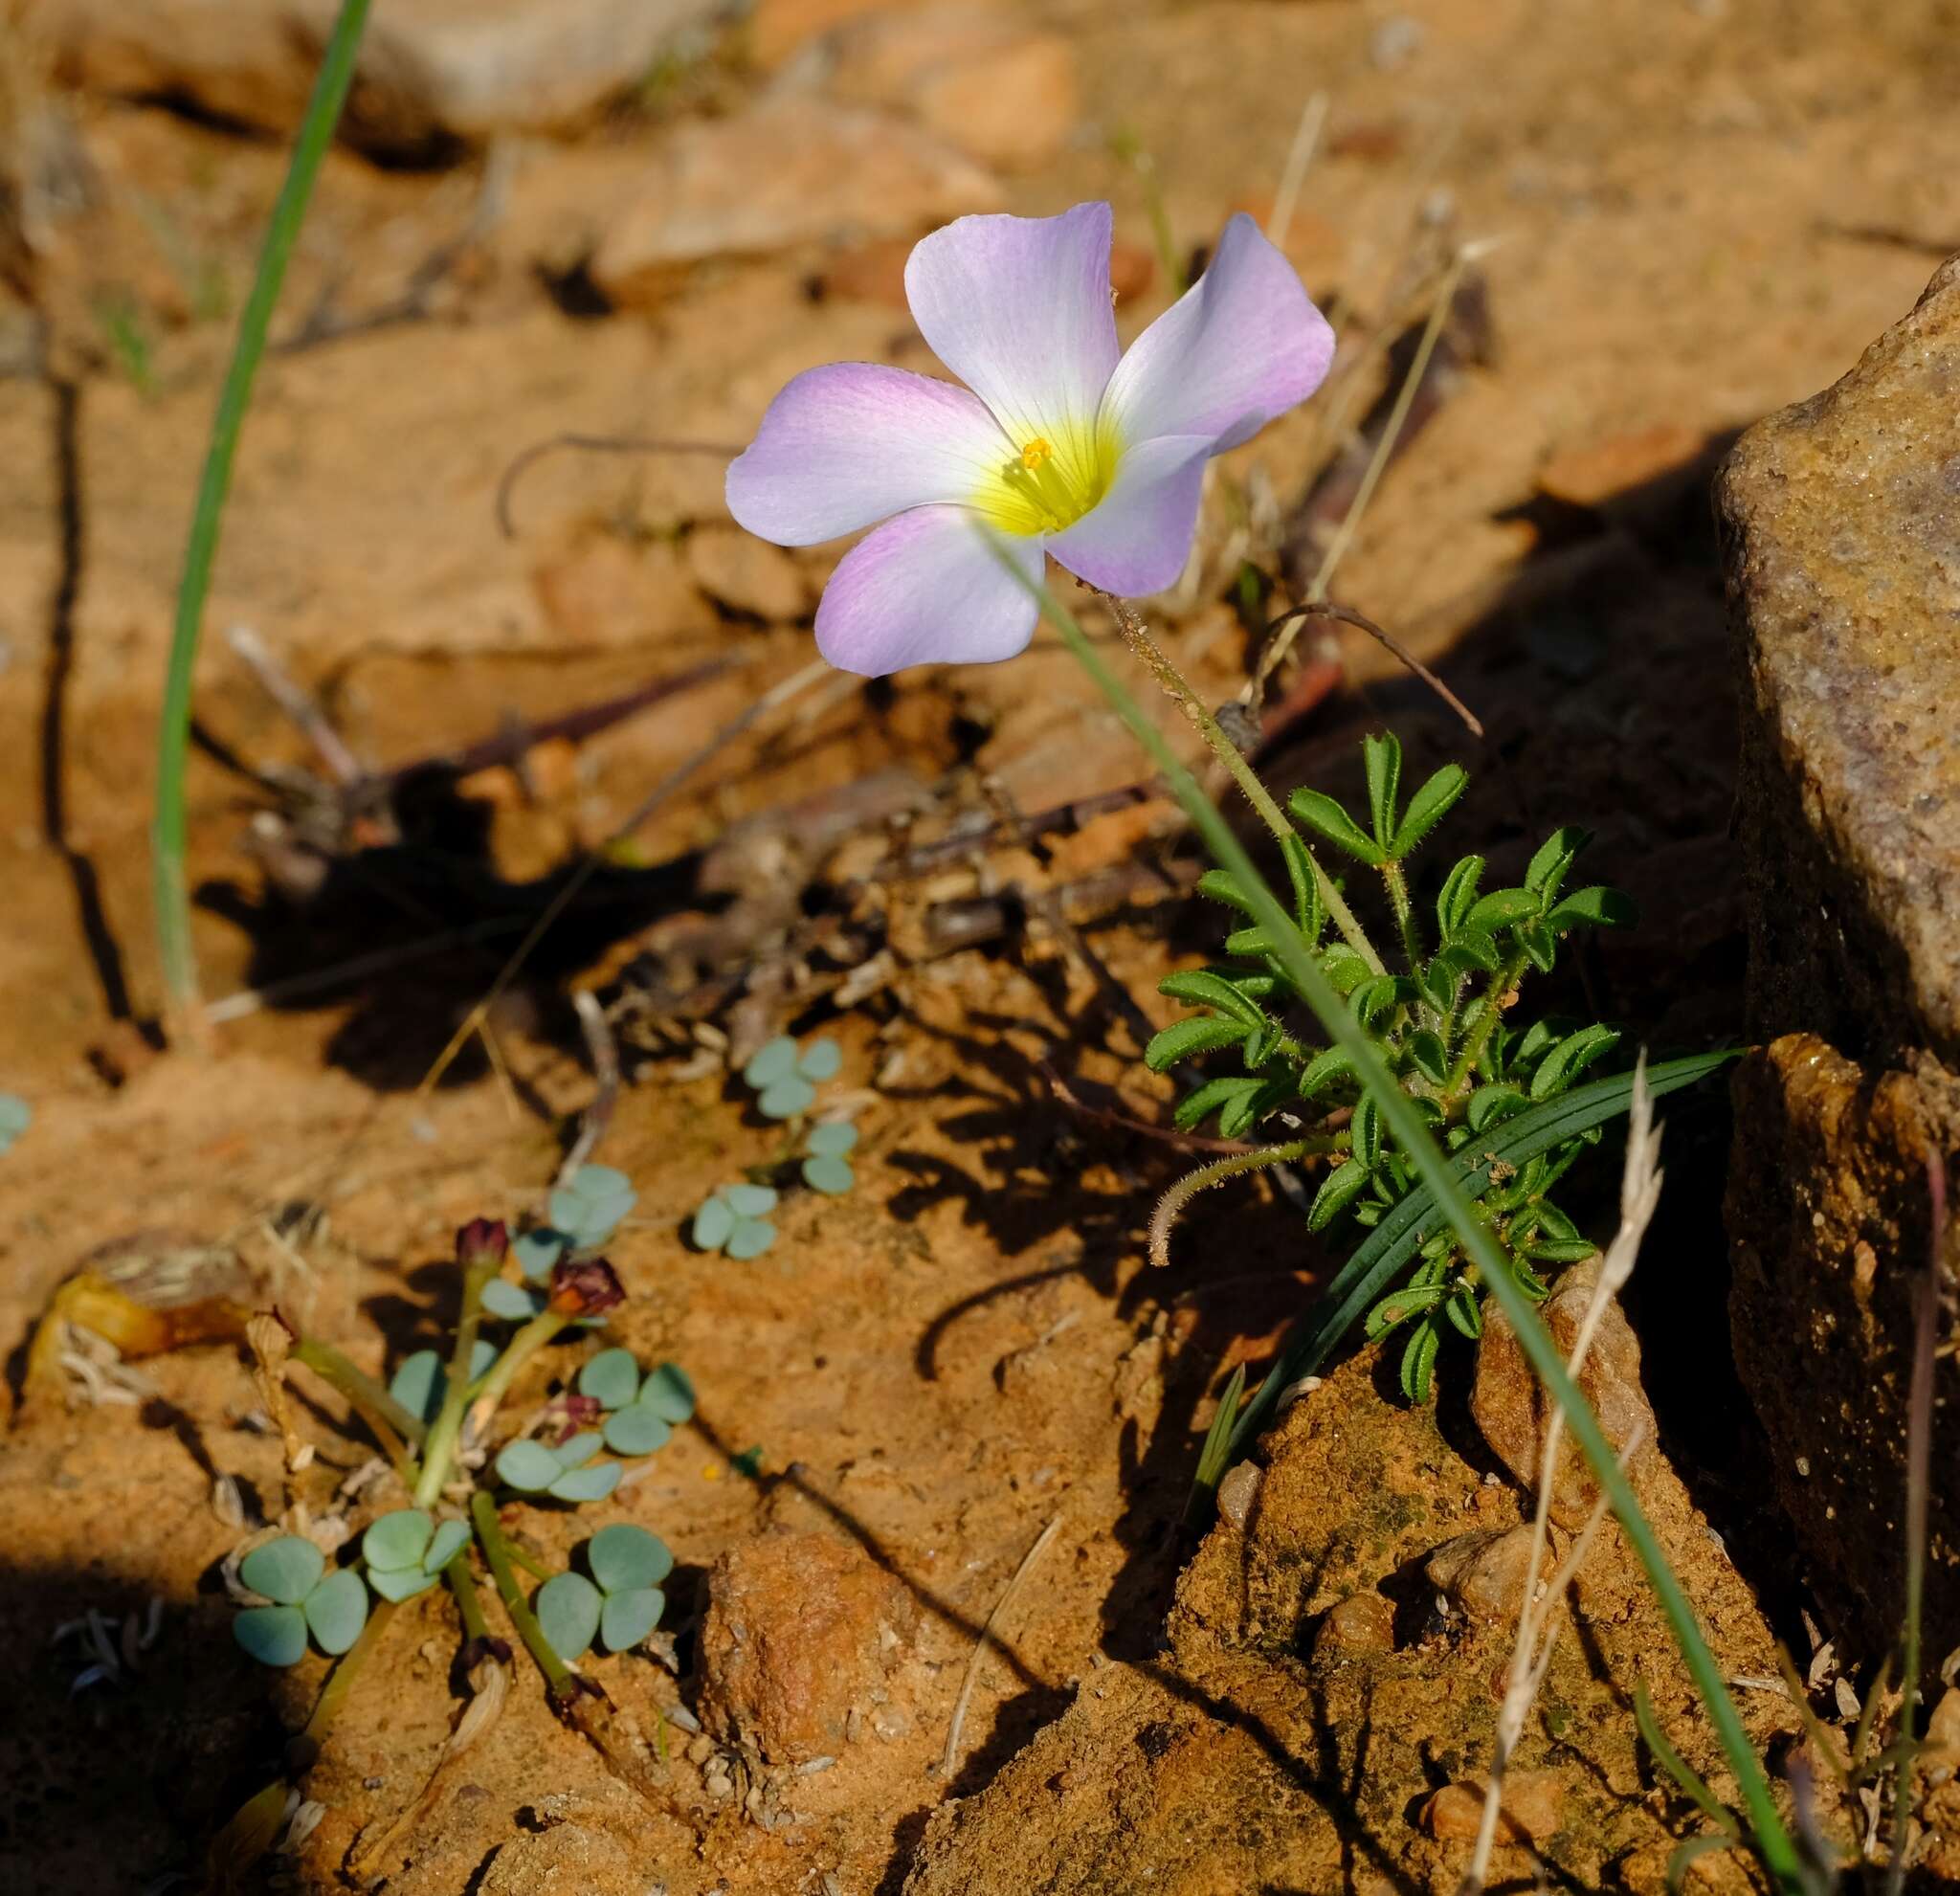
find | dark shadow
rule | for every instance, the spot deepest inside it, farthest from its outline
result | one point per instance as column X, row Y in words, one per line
column 413, row 930
column 113, row 1785
column 104, row 950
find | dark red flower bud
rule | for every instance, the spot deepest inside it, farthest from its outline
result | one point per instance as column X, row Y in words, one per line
column 570, row 1414
column 481, row 1241
column 584, row 1287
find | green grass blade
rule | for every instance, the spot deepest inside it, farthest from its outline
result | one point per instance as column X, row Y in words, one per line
column 1215, row 1457
column 1399, row 1116
column 1677, row 1767
column 1367, row 1275
column 168, row 836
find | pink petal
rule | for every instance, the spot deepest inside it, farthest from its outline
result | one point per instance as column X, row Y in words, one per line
column 1137, row 538
column 928, row 588
column 1241, row 346
column 1019, row 309
column 854, row 443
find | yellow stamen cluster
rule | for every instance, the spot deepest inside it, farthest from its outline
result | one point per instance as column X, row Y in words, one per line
column 1052, row 482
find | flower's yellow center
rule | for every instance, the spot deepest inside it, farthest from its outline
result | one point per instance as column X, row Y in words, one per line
column 1051, row 482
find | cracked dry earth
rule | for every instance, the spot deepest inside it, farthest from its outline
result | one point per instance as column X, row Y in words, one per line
column 1707, row 212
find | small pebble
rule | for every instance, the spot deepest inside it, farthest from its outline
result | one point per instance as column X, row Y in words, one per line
column 1237, row 1492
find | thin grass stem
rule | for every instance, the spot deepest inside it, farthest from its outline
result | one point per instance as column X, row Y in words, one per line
column 168, row 835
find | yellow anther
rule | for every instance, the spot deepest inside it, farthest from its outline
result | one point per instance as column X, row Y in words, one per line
column 1034, row 453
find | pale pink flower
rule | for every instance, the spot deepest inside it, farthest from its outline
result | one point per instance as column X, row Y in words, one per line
column 1059, row 443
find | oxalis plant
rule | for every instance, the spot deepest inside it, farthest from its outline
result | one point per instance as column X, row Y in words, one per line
column 441, row 1421
column 1446, row 1021
column 1060, row 443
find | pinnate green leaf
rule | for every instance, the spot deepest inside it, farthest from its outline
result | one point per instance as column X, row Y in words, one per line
column 1339, row 1190
column 1183, row 1039
column 1381, row 756
column 1428, row 807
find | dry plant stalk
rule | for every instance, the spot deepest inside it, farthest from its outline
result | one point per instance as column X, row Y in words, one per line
column 489, row 1687
column 1538, row 1626
column 272, row 1343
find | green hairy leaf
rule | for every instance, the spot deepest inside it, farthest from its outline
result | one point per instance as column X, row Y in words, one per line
column 1326, row 818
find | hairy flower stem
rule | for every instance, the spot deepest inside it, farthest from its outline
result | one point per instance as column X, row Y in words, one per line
column 390, row 1424
column 1171, row 1206
column 447, row 1429
column 1137, row 636
column 1401, row 1122
column 1504, row 982
column 559, row 1676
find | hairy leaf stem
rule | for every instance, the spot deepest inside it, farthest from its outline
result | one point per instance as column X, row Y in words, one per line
column 1137, row 636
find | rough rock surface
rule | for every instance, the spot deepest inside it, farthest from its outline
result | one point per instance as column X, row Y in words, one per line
column 1842, row 519
column 1509, row 1406
column 800, row 1630
column 1829, row 1211
column 1843, row 523
column 1261, row 1753
column 429, row 69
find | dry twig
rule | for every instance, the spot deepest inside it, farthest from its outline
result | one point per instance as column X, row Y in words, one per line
column 1537, row 1628
column 985, row 1639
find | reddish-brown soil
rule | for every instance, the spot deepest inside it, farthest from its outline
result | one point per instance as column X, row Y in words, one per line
column 1701, row 212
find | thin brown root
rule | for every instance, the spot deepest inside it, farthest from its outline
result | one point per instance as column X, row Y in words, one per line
column 1347, row 615
column 490, row 1686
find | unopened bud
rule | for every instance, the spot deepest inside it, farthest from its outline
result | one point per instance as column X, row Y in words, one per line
column 585, row 1287
column 480, row 1242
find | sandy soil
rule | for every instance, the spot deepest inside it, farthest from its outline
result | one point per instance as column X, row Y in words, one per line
column 1700, row 212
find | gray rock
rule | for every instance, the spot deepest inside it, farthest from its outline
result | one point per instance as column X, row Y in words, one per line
column 429, row 69
column 1841, row 517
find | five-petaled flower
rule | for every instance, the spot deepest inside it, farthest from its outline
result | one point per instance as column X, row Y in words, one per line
column 1059, row 443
